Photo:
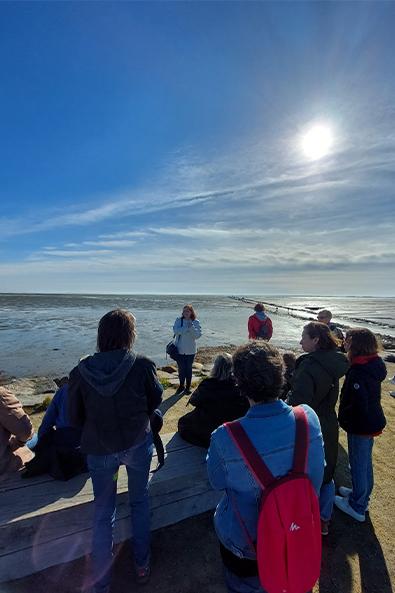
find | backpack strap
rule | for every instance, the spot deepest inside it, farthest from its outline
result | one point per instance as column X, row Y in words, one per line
column 253, row 460
column 301, row 440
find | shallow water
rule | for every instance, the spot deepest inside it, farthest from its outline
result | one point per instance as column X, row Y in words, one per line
column 47, row 334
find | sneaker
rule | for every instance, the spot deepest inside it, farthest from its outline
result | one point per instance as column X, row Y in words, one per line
column 344, row 505
column 142, row 575
column 180, row 390
column 324, row 527
column 344, row 491
column 187, row 391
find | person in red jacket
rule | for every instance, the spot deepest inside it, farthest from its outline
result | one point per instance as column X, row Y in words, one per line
column 259, row 325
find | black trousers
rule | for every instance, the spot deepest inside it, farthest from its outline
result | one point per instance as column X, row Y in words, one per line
column 185, row 362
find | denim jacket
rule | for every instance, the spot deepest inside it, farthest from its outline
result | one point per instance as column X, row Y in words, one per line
column 271, row 428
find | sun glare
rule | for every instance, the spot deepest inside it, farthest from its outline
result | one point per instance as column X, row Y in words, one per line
column 317, row 142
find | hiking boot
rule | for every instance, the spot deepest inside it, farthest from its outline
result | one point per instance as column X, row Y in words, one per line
column 344, row 505
column 324, row 527
column 344, row 491
column 180, row 390
column 142, row 575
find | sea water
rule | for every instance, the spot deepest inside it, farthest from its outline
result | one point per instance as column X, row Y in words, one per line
column 47, row 334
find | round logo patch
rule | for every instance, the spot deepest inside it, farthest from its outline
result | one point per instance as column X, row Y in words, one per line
column 356, row 385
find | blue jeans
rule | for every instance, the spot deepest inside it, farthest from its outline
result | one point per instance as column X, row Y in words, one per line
column 185, row 362
column 360, row 455
column 104, row 473
column 327, row 498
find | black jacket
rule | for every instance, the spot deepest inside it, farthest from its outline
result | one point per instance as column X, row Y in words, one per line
column 360, row 410
column 111, row 396
column 215, row 402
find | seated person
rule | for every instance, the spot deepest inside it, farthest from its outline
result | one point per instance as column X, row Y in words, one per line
column 216, row 400
column 15, row 429
column 57, row 446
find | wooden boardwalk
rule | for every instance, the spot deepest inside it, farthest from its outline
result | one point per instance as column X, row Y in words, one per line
column 44, row 522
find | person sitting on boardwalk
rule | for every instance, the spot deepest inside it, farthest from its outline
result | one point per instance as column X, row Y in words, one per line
column 316, row 382
column 325, row 316
column 259, row 324
column 15, row 430
column 216, row 400
column 57, row 445
column 270, row 425
column 112, row 396
column 362, row 417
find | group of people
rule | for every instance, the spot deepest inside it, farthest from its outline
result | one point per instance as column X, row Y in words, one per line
column 107, row 411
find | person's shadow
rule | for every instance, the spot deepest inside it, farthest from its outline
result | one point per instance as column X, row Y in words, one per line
column 171, row 401
column 349, row 539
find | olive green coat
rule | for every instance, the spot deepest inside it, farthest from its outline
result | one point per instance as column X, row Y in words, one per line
column 316, row 382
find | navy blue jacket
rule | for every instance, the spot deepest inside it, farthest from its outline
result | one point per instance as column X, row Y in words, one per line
column 360, row 410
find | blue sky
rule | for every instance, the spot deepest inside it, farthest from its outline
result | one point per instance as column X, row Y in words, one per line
column 156, row 147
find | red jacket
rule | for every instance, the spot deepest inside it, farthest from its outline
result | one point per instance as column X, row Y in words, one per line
column 254, row 325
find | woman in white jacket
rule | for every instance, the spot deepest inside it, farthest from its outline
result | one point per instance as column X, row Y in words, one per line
column 186, row 330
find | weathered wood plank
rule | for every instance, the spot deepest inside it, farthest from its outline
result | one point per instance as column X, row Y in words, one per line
column 44, row 523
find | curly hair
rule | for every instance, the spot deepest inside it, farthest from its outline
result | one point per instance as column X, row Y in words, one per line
column 116, row 331
column 258, row 369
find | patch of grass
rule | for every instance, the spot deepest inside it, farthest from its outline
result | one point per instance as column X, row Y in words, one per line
column 165, row 383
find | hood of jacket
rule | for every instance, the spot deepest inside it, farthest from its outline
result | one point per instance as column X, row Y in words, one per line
column 334, row 362
column 107, row 371
column 260, row 315
column 375, row 368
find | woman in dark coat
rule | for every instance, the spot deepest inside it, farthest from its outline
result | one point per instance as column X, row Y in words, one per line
column 316, row 382
column 362, row 417
column 216, row 400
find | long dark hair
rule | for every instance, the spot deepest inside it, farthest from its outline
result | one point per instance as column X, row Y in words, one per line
column 326, row 340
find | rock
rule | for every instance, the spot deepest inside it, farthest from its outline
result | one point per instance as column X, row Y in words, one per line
column 169, row 369
column 198, row 366
column 164, row 375
column 32, row 391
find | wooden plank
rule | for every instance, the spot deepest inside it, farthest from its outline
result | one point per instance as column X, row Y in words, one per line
column 68, row 519
column 45, row 554
column 51, row 496
column 45, row 523
column 171, row 441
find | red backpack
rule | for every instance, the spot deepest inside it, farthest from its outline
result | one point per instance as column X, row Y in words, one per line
column 288, row 546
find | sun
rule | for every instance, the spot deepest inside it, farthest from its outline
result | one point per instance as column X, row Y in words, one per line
column 317, row 142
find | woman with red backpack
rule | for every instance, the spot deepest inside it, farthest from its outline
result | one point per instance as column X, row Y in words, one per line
column 269, row 428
